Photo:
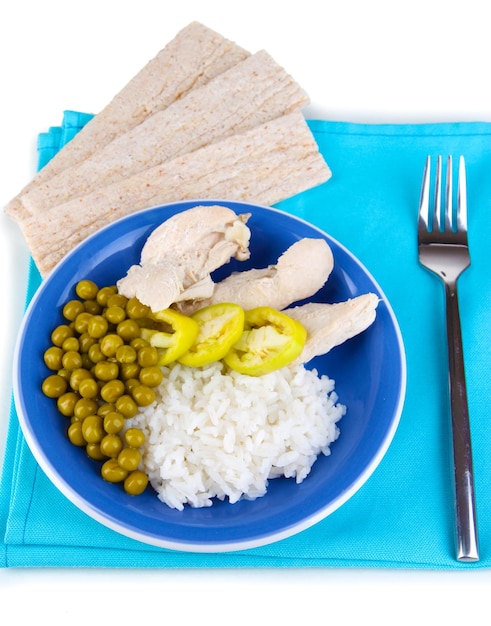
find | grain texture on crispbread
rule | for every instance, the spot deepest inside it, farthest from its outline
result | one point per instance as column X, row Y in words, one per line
column 195, row 56
column 250, row 93
column 264, row 165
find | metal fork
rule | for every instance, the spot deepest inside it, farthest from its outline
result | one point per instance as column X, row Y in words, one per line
column 444, row 250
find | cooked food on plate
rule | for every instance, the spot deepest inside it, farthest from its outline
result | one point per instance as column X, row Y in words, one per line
column 215, row 403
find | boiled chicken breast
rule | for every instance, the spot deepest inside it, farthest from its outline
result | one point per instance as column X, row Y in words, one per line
column 180, row 254
column 299, row 273
column 329, row 325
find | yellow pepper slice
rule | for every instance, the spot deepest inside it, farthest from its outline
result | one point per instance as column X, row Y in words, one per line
column 220, row 326
column 172, row 334
column 270, row 341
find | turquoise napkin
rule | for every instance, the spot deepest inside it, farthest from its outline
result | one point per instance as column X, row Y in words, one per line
column 403, row 516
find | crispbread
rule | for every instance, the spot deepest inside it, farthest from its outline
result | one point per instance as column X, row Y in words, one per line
column 196, row 55
column 250, row 93
column 264, row 165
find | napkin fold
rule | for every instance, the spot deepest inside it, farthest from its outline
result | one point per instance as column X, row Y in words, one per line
column 403, row 516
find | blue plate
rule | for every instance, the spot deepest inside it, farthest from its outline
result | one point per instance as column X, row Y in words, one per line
column 369, row 371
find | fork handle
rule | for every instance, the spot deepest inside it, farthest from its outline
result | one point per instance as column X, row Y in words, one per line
column 465, row 507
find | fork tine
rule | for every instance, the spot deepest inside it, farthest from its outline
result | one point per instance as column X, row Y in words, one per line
column 448, row 196
column 424, row 201
column 462, row 199
column 437, row 215
column 434, row 221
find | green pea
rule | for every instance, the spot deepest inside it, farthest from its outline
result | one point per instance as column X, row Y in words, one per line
column 92, row 307
column 71, row 309
column 131, row 384
column 129, row 459
column 128, row 329
column 148, row 356
column 52, row 358
column 106, row 408
column 72, row 360
column 135, row 483
column 113, row 422
column 125, row 354
column 75, row 434
column 97, row 326
column 94, row 451
column 81, row 322
column 143, row 395
column 113, row 472
column 151, row 376
column 95, row 354
column 134, row 437
column 112, row 390
column 127, row 406
column 111, row 445
column 71, row 344
column 88, row 388
column 93, row 429
column 66, row 403
column 136, row 310
column 110, row 344
column 60, row 333
column 127, row 371
column 85, row 342
column 104, row 294
column 115, row 314
column 64, row 373
column 85, row 407
column 77, row 375
column 54, row 386
column 117, row 299
column 106, row 370
column 139, row 343
column 86, row 289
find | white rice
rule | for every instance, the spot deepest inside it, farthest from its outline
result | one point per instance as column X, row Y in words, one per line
column 213, row 433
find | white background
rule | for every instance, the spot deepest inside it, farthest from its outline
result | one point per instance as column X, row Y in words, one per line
column 377, row 61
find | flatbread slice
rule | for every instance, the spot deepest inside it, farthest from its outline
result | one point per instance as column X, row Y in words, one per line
column 195, row 56
column 269, row 163
column 250, row 93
